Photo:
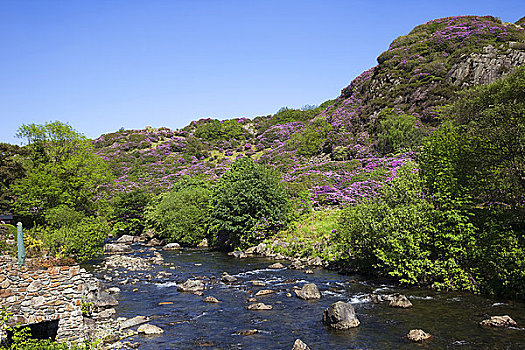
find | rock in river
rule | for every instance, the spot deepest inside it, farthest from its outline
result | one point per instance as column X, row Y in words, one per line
column 228, row 279
column 499, row 321
column 399, row 300
column 259, row 306
column 308, row 292
column 132, row 322
column 264, row 292
column 418, row 335
column 300, row 345
column 210, row 299
column 126, row 239
column 340, row 315
column 150, row 329
column 171, row 246
column 191, row 286
column 117, row 248
column 276, row 266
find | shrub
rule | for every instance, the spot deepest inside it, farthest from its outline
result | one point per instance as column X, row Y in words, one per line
column 310, row 140
column 248, row 204
column 182, row 214
column 399, row 132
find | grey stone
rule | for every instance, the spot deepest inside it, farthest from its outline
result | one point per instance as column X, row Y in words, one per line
column 499, row 322
column 401, row 301
column 259, row 306
column 126, row 239
column 150, row 329
column 172, row 246
column 340, row 315
column 191, row 286
column 228, row 279
column 308, row 292
column 117, row 248
column 264, row 292
column 418, row 335
column 300, row 345
column 210, row 299
column 132, row 322
column 276, row 266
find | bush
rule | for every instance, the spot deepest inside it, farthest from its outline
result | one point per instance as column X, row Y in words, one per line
column 399, row 132
column 248, row 204
column 182, row 214
column 312, row 138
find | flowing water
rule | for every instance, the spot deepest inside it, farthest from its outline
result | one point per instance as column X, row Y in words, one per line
column 190, row 323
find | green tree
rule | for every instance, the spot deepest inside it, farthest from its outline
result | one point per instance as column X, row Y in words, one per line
column 128, row 210
column 182, row 214
column 11, row 169
column 62, row 169
column 248, row 204
column 399, row 132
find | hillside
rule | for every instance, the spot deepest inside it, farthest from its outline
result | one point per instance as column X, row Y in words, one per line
column 334, row 151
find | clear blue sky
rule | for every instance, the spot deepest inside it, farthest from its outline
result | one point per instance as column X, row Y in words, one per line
column 102, row 65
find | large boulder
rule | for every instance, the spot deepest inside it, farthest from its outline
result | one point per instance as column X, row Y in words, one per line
column 117, row 248
column 300, row 345
column 340, row 315
column 104, row 300
column 132, row 322
column 499, row 322
column 308, row 292
column 191, row 286
column 126, row 239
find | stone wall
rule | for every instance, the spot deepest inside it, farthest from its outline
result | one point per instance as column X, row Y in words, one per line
column 34, row 295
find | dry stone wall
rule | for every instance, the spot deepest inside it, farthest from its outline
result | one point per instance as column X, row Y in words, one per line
column 46, row 294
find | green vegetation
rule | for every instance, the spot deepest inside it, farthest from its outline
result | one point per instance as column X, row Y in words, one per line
column 399, row 132
column 128, row 211
column 182, row 214
column 248, row 205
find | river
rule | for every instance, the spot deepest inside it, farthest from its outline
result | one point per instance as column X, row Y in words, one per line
column 189, row 323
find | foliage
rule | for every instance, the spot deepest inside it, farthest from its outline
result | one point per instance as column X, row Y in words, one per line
column 128, row 211
column 399, row 132
column 214, row 130
column 400, row 234
column 62, row 169
column 310, row 140
column 182, row 214
column 248, row 205
column 11, row 168
column 71, row 234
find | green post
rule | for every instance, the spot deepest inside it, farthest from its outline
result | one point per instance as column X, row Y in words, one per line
column 21, row 248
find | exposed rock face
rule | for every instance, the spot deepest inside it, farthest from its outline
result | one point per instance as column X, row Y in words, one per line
column 300, row 345
column 340, row 315
column 259, row 306
column 150, row 329
column 418, row 335
column 308, row 292
column 401, row 301
column 485, row 67
column 499, row 321
column 191, row 286
column 117, row 248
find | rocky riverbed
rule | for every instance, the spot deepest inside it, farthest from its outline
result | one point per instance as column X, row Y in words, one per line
column 197, row 298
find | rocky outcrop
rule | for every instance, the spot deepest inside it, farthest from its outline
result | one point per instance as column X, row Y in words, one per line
column 340, row 315
column 485, row 67
column 308, row 292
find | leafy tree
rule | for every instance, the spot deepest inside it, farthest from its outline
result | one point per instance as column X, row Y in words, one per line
column 312, row 138
column 182, row 214
column 62, row 169
column 128, row 211
column 11, row 169
column 248, row 204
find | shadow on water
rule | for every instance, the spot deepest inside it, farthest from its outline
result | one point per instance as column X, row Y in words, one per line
column 189, row 323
